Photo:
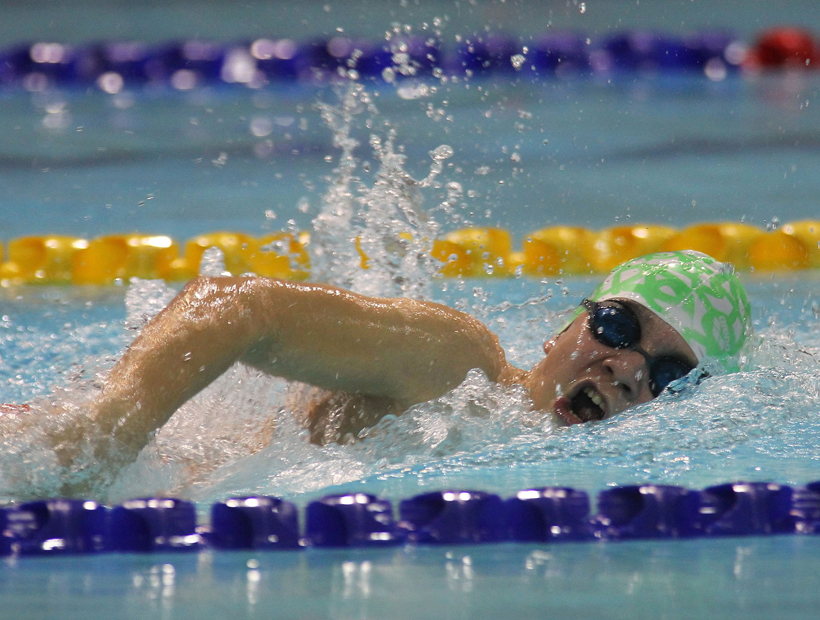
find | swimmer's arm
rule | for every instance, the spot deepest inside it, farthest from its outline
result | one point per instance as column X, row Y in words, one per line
column 400, row 349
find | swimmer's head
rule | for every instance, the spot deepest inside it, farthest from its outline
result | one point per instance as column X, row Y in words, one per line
column 650, row 322
column 701, row 298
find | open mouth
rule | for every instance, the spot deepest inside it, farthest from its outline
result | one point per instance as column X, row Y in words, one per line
column 588, row 405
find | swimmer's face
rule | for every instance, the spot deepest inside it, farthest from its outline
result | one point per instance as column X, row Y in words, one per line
column 581, row 379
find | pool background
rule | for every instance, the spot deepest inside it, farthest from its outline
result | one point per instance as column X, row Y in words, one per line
column 738, row 149
column 633, row 147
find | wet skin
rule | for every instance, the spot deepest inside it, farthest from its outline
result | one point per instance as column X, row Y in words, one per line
column 371, row 356
column 617, row 378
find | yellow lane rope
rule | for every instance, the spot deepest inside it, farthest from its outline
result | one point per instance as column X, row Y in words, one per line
column 469, row 252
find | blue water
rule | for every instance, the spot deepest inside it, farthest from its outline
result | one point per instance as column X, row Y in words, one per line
column 672, row 151
column 757, row 425
column 753, row 579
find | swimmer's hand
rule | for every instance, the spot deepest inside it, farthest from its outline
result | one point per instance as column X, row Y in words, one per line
column 64, row 430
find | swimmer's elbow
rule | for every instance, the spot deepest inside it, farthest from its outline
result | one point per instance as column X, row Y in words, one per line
column 199, row 293
column 226, row 306
column 209, row 289
column 221, row 294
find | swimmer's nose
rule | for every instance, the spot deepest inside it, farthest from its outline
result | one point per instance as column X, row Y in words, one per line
column 628, row 372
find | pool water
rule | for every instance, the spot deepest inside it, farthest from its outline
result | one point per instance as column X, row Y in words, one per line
column 756, row 578
column 756, row 425
column 671, row 150
column 528, row 153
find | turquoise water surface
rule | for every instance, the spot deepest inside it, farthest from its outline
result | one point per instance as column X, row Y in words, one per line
column 671, row 150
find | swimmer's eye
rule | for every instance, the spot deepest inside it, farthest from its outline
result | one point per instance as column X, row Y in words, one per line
column 616, row 326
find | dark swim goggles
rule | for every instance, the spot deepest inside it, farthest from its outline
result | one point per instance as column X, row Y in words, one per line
column 617, row 327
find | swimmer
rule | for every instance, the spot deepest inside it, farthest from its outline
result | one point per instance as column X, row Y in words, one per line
column 651, row 322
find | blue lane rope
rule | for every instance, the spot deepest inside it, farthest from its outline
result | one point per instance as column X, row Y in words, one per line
column 117, row 64
column 549, row 514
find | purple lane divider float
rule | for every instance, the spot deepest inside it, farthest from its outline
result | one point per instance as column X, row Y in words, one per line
column 453, row 517
column 48, row 61
column 561, row 54
column 484, row 55
column 134, row 62
column 254, row 523
column 547, row 514
column 645, row 51
column 648, row 51
column 54, row 526
column 368, row 58
column 744, row 509
column 805, row 508
column 351, row 520
column 645, row 511
column 286, row 59
column 5, row 535
column 154, row 524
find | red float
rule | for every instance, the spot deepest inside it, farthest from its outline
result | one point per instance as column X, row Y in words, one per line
column 784, row 48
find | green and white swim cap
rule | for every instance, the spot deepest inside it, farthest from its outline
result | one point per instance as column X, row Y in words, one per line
column 700, row 297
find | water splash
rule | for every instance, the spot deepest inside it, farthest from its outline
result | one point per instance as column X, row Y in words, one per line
column 145, row 298
column 334, row 256
column 375, row 237
column 212, row 263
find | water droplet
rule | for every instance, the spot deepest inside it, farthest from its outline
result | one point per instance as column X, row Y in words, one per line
column 442, row 152
column 212, row 263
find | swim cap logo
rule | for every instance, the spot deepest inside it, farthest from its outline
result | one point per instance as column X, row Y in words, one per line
column 721, row 333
